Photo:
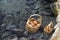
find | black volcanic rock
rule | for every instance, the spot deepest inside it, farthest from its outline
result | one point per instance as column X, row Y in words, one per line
column 23, row 38
column 15, row 13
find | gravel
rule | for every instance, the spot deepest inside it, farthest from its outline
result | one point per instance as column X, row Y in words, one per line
column 15, row 13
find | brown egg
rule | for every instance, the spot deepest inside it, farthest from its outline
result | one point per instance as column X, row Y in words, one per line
column 33, row 23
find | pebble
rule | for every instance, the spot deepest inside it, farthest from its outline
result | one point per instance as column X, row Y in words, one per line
column 22, row 9
column 23, row 38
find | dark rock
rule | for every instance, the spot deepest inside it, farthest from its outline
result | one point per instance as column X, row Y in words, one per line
column 12, row 6
column 32, row 7
column 9, row 27
column 47, row 12
column 30, row 37
column 41, row 39
column 37, row 5
column 29, row 3
column 9, row 19
column 35, row 12
column 3, row 26
column 9, row 1
column 16, row 31
column 34, row 1
column 37, row 35
column 15, row 13
column 1, row 18
column 28, row 10
column 38, row 39
column 23, row 38
column 11, row 37
column 45, row 18
column 50, row 1
column 5, row 34
column 26, row 33
column 22, row 25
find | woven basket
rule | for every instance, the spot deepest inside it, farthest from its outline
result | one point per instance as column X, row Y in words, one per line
column 31, row 29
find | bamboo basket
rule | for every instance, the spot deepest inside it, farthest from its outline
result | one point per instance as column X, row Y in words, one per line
column 33, row 29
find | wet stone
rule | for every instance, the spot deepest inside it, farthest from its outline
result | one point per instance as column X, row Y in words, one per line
column 35, row 11
column 3, row 26
column 37, row 7
column 22, row 23
column 9, row 1
column 9, row 27
column 37, row 35
column 29, row 3
column 10, row 6
column 45, row 36
column 12, row 37
column 1, row 18
column 34, row 1
column 30, row 37
column 32, row 7
column 9, row 20
column 38, row 39
column 5, row 34
column 50, row 1
column 28, row 10
column 26, row 33
column 48, row 13
column 23, row 38
column 41, row 39
column 16, row 31
column 15, row 13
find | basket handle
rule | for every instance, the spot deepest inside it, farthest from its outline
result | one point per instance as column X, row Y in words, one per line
column 35, row 15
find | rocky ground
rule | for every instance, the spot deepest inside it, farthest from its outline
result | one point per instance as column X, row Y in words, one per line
column 14, row 14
